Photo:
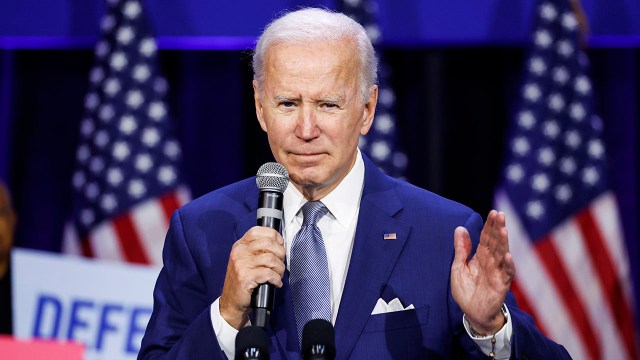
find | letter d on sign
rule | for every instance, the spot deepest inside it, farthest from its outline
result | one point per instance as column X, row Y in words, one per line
column 51, row 318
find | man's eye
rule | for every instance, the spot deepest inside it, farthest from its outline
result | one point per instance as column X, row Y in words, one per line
column 330, row 105
column 287, row 104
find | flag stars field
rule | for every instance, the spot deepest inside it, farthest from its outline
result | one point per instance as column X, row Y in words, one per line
column 532, row 92
column 125, row 35
column 118, row 61
column 134, row 99
column 127, row 124
column 546, row 156
column 144, row 163
column 560, row 75
column 568, row 165
column 384, row 123
column 540, row 183
column 121, row 151
column 551, row 129
column 548, row 12
column 543, row 38
column 521, row 146
column 141, row 72
column 132, row 10
column 136, row 188
column 150, row 137
column 564, row 48
column 114, row 177
column 148, row 47
column 563, row 193
column 106, row 112
column 537, row 66
column 515, row 173
column 112, row 86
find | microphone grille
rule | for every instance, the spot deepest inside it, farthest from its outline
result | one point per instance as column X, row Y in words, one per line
column 272, row 176
column 318, row 332
column 254, row 339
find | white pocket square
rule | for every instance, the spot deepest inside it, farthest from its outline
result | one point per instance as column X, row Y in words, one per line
column 393, row 305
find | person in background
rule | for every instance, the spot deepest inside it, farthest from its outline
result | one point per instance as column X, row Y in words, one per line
column 7, row 226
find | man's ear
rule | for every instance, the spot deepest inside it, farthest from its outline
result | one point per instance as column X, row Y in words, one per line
column 259, row 108
column 369, row 110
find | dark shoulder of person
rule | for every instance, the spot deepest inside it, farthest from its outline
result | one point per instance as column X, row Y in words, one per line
column 6, row 315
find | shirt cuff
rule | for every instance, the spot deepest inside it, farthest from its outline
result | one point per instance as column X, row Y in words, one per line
column 225, row 333
column 503, row 338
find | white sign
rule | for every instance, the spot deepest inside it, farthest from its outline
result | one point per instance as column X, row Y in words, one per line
column 103, row 305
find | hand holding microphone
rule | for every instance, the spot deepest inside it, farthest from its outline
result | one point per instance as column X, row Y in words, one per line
column 252, row 342
column 256, row 258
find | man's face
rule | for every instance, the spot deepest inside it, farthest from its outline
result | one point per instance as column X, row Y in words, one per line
column 312, row 112
column 7, row 222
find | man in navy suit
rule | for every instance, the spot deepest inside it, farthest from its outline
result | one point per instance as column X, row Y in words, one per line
column 389, row 245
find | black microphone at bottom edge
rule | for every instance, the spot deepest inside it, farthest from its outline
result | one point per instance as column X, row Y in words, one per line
column 318, row 340
column 252, row 343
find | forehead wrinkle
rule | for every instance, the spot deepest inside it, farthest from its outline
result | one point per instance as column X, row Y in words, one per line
column 293, row 78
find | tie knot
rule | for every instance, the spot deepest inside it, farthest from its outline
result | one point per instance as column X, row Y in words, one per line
column 312, row 211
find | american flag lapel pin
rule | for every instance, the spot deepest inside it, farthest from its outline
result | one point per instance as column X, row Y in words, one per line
column 389, row 236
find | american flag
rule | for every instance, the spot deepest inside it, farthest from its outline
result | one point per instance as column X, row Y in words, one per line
column 562, row 217
column 381, row 143
column 126, row 182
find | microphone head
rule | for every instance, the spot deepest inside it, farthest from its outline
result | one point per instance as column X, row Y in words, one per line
column 252, row 342
column 272, row 176
column 318, row 338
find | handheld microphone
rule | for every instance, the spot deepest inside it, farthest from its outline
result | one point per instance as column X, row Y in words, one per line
column 318, row 340
column 252, row 343
column 272, row 180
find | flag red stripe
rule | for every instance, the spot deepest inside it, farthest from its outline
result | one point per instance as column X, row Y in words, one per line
column 169, row 203
column 523, row 304
column 129, row 240
column 610, row 281
column 549, row 256
column 86, row 247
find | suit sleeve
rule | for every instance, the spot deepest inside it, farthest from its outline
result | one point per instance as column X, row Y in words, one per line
column 527, row 342
column 180, row 325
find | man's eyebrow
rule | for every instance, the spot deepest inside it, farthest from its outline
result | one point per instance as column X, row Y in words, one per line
column 282, row 98
column 331, row 99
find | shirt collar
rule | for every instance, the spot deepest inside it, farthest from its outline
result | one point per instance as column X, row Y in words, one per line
column 342, row 202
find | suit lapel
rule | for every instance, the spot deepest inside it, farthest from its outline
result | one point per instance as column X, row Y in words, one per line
column 372, row 258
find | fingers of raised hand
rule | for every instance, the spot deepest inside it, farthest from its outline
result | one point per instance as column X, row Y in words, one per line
column 494, row 238
column 462, row 245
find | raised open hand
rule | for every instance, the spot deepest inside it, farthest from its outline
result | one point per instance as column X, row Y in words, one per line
column 479, row 285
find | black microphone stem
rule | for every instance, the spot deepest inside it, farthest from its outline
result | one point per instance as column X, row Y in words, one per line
column 272, row 180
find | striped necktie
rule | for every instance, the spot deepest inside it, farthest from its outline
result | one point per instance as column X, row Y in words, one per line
column 309, row 270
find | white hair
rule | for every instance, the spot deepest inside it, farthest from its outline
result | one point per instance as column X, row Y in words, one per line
column 312, row 24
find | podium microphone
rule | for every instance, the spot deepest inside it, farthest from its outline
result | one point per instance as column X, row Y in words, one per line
column 272, row 180
column 252, row 343
column 318, row 340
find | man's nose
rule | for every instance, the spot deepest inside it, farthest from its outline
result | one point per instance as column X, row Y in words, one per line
column 307, row 124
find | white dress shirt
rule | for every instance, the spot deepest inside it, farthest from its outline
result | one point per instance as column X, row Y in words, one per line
column 338, row 229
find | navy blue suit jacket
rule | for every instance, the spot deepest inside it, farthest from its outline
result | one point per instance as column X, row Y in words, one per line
column 415, row 267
